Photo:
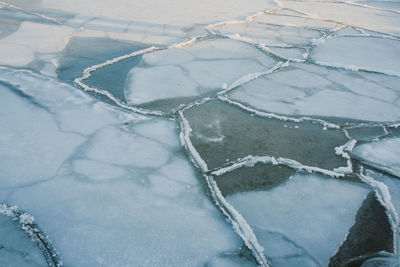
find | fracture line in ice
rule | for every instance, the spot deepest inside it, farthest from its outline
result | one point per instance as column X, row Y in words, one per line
column 252, row 76
column 343, row 152
column 250, row 161
column 370, row 7
column 383, row 195
column 29, row 226
column 185, row 140
column 88, row 72
column 54, row 20
column 210, row 27
column 356, row 68
column 238, row 222
column 325, row 124
column 315, row 16
column 263, row 47
column 234, row 217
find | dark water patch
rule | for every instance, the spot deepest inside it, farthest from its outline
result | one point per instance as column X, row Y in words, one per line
column 394, row 131
column 81, row 53
column 370, row 234
column 223, row 132
column 259, row 177
column 172, row 104
column 112, row 78
column 366, row 133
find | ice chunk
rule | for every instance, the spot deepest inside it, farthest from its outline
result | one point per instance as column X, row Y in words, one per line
column 29, row 134
column 352, row 15
column 81, row 53
column 369, row 53
column 127, row 149
column 370, row 235
column 144, row 84
column 269, row 34
column 303, row 89
column 313, row 212
column 19, row 48
column 383, row 154
column 193, row 70
column 290, row 18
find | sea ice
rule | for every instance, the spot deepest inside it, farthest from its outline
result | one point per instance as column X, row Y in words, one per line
column 16, row 248
column 107, row 182
column 193, row 70
column 368, row 53
column 314, row 213
column 303, row 89
column 383, row 154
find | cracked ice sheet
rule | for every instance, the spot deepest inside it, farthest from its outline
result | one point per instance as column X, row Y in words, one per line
column 176, row 12
column 270, row 34
column 393, row 185
column 126, row 195
column 303, row 221
column 21, row 47
column 305, row 89
column 294, row 19
column 356, row 16
column 383, row 154
column 16, row 248
column 368, row 53
column 191, row 71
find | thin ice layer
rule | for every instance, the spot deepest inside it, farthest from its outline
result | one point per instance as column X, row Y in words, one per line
column 270, row 34
column 146, row 189
column 314, row 213
column 222, row 132
column 383, row 154
column 192, row 71
column 303, row 89
column 16, row 248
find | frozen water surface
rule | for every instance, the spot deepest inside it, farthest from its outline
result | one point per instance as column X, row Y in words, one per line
column 312, row 213
column 208, row 133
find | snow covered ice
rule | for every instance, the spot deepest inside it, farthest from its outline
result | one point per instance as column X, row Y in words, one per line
column 184, row 133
